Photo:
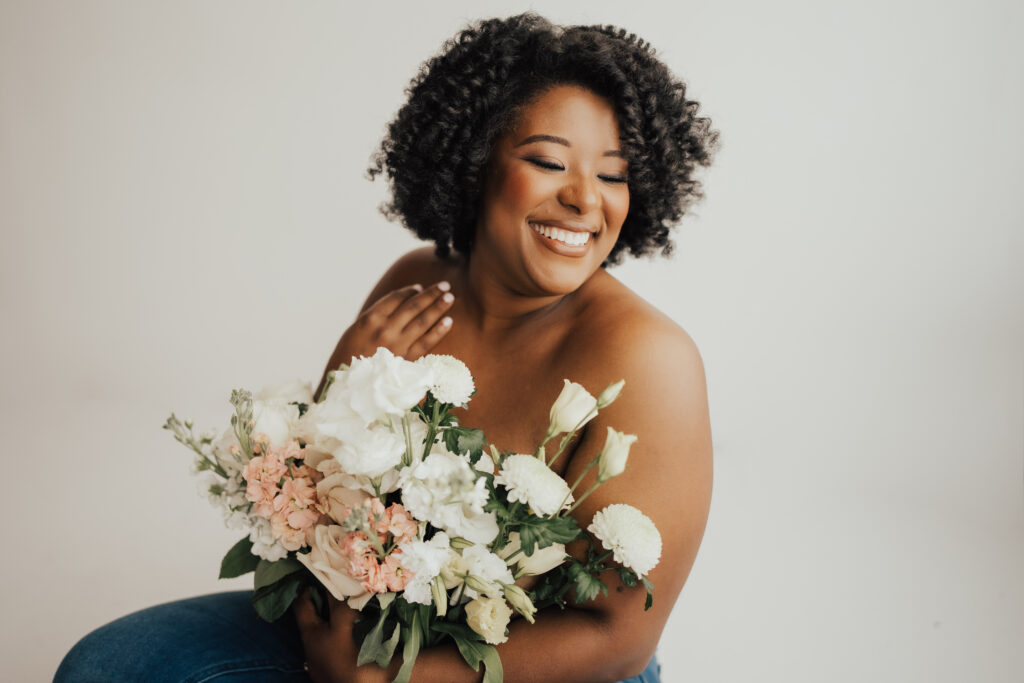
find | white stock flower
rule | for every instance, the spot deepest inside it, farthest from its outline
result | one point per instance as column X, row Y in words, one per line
column 453, row 383
column 263, row 542
column 489, row 617
column 424, row 559
column 630, row 535
column 530, row 481
column 486, row 566
column 614, row 455
column 444, row 490
column 380, row 386
column 573, row 405
column 543, row 559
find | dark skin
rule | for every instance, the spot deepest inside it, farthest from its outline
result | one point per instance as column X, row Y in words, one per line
column 529, row 310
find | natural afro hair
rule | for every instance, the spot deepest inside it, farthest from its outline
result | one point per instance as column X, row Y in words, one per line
column 437, row 147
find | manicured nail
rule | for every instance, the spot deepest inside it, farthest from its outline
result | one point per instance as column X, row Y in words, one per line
column 443, row 285
column 446, row 321
column 448, row 298
column 418, row 287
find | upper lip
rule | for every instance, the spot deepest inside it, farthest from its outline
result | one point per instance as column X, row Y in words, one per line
column 574, row 226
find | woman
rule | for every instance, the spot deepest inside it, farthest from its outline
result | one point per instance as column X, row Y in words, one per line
column 532, row 156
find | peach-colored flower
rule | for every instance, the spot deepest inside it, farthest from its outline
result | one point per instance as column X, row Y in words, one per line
column 299, row 492
column 290, row 537
column 401, row 524
column 303, row 519
column 395, row 575
column 374, row 581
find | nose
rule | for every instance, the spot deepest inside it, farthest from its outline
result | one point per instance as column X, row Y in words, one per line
column 579, row 193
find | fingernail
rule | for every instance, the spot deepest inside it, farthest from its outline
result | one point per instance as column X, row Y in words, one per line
column 443, row 285
column 418, row 287
column 448, row 298
column 446, row 321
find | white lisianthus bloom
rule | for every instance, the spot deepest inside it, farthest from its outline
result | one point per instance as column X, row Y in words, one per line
column 530, row 481
column 489, row 568
column 520, row 601
column 573, row 406
column 444, row 490
column 630, row 535
column 614, row 455
column 489, row 617
column 543, row 559
column 424, row 559
column 380, row 386
column 371, row 452
column 453, row 383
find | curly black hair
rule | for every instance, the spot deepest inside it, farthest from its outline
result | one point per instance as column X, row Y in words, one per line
column 437, row 147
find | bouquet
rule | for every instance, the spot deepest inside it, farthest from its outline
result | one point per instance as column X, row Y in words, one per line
column 376, row 494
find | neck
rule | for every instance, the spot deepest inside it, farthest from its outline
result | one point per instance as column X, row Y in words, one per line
column 494, row 305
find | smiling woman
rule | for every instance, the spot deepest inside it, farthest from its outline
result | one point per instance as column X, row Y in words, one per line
column 533, row 156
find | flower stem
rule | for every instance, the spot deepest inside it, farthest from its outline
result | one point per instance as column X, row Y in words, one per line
column 582, row 498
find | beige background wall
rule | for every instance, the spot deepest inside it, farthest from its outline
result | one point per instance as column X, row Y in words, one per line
column 183, row 211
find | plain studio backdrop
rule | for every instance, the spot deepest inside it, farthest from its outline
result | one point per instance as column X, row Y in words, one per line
column 184, row 211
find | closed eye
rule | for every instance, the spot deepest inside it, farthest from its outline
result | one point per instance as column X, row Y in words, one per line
column 613, row 178
column 545, row 164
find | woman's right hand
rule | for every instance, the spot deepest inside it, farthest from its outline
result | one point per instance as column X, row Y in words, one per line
column 409, row 322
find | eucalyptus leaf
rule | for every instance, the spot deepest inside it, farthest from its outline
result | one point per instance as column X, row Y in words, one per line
column 239, row 560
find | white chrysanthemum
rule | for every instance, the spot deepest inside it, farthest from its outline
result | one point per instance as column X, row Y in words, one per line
column 453, row 383
column 530, row 481
column 630, row 535
column 444, row 490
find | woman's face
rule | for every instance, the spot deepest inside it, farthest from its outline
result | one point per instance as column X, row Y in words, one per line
column 555, row 195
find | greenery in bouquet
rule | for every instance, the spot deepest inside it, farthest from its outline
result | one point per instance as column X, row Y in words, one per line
column 376, row 494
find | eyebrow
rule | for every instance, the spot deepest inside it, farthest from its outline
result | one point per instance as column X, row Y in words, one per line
column 562, row 141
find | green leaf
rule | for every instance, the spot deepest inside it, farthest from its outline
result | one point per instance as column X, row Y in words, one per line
column 540, row 532
column 627, row 576
column 493, row 671
column 465, row 440
column 411, row 635
column 374, row 648
column 239, row 560
column 471, row 649
column 650, row 592
column 587, row 586
column 271, row 602
column 318, row 594
column 268, row 573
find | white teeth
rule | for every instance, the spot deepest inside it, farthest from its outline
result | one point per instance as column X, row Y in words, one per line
column 569, row 237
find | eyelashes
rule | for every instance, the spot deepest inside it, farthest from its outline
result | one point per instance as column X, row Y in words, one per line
column 554, row 166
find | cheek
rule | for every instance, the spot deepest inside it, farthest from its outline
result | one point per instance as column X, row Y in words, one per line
column 520, row 191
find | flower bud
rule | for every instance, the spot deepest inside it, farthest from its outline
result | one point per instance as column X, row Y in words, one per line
column 480, row 586
column 519, row 600
column 614, row 454
column 440, row 595
column 610, row 394
column 459, row 543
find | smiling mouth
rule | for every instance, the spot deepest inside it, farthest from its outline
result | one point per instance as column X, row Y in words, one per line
column 570, row 238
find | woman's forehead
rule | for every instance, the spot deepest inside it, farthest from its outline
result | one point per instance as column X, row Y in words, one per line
column 567, row 113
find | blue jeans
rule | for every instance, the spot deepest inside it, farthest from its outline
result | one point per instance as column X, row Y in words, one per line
column 210, row 638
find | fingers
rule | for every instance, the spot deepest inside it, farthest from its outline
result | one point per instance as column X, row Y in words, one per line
column 428, row 341
column 305, row 613
column 387, row 304
column 417, row 313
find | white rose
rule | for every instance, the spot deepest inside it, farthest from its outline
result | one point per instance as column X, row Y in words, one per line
column 614, row 455
column 371, row 452
column 489, row 617
column 630, row 535
column 380, row 386
column 543, row 559
column 453, row 383
column 528, row 480
column 443, row 489
column 573, row 406
column 329, row 565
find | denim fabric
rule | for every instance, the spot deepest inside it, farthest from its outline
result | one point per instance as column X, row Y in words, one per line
column 210, row 638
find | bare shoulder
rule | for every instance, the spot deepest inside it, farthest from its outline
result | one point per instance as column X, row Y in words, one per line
column 635, row 337
column 419, row 266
